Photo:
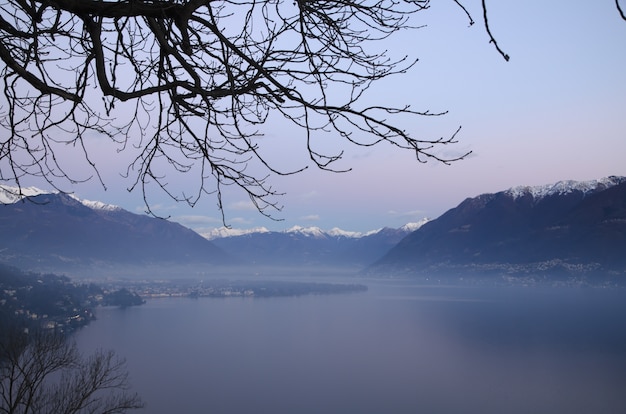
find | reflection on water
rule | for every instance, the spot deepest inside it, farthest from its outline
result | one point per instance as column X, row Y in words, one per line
column 397, row 348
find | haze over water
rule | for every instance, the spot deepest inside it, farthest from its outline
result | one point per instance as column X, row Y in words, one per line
column 397, row 348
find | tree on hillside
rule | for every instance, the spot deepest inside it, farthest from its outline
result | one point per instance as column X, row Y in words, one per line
column 45, row 373
column 187, row 83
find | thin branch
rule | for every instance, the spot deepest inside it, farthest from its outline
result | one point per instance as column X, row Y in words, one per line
column 188, row 83
column 491, row 38
column 469, row 16
column 620, row 10
column 42, row 86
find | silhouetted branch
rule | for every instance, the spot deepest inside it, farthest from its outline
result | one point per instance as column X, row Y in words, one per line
column 491, row 38
column 185, row 85
column 619, row 9
column 469, row 16
column 44, row 373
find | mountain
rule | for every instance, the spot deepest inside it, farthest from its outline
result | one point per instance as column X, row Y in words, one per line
column 58, row 231
column 571, row 228
column 311, row 246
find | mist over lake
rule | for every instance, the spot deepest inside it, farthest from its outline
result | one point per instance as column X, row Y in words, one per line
column 396, row 348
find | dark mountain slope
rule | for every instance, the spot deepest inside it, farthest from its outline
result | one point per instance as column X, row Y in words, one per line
column 56, row 228
column 522, row 231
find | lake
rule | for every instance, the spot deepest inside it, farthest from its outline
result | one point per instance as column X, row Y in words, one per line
column 397, row 348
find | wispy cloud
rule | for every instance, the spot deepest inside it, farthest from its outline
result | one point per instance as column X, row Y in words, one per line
column 197, row 220
column 158, row 209
column 456, row 152
column 309, row 195
column 239, row 221
column 412, row 214
column 245, row 205
column 207, row 224
column 310, row 217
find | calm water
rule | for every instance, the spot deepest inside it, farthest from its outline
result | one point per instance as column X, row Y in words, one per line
column 394, row 349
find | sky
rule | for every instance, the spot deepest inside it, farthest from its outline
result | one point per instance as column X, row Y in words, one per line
column 555, row 111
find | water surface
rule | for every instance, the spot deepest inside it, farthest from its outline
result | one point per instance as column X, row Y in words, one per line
column 397, row 348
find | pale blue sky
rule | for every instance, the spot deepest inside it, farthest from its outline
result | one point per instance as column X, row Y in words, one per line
column 555, row 111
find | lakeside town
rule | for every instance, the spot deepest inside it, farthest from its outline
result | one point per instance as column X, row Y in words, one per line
column 30, row 300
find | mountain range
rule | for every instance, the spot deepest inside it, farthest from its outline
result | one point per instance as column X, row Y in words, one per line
column 569, row 228
column 57, row 231
column 51, row 231
column 311, row 246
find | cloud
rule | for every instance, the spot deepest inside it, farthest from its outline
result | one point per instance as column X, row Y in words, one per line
column 239, row 220
column 454, row 152
column 310, row 217
column 197, row 220
column 156, row 208
column 206, row 224
column 309, row 195
column 245, row 205
column 407, row 214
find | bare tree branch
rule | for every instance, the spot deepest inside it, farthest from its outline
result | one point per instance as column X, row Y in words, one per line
column 186, row 86
column 492, row 39
column 44, row 373
column 620, row 10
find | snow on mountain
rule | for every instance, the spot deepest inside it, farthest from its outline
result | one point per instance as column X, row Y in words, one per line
column 11, row 195
column 57, row 232
column 410, row 227
column 567, row 229
column 565, row 187
column 306, row 231
column 223, row 232
column 96, row 205
column 337, row 232
column 313, row 232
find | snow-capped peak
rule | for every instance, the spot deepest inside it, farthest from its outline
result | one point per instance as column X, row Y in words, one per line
column 11, row 195
column 97, row 205
column 337, row 232
column 307, row 231
column 223, row 232
column 411, row 227
column 565, row 187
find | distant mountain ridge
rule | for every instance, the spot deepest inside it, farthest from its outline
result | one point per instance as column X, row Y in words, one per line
column 570, row 228
column 312, row 246
column 56, row 230
column 313, row 231
column 575, row 228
